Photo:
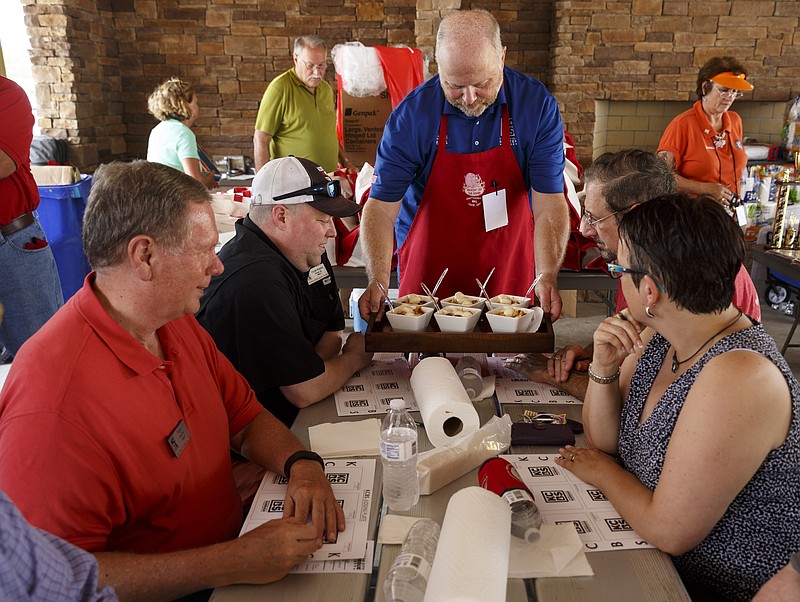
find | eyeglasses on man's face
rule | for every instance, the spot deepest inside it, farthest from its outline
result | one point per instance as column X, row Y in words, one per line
column 727, row 92
column 592, row 221
column 312, row 66
column 616, row 271
column 331, row 188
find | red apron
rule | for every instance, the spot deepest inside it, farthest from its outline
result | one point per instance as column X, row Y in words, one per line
column 448, row 229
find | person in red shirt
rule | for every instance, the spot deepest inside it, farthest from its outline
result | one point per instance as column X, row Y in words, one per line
column 118, row 416
column 704, row 145
column 29, row 285
column 615, row 183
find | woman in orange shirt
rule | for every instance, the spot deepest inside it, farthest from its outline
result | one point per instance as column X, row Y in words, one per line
column 704, row 144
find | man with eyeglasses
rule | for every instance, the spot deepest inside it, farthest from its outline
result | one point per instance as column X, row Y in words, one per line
column 614, row 183
column 297, row 115
column 275, row 311
column 705, row 145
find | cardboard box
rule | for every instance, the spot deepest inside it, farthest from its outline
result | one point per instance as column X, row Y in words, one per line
column 363, row 120
column 50, row 175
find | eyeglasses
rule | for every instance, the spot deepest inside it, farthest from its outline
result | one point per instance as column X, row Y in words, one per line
column 593, row 221
column 331, row 188
column 616, row 271
column 312, row 66
column 727, row 92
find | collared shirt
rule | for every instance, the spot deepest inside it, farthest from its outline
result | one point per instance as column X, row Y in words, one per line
column 40, row 567
column 85, row 417
column 169, row 142
column 702, row 156
column 301, row 123
column 266, row 317
column 18, row 191
column 408, row 146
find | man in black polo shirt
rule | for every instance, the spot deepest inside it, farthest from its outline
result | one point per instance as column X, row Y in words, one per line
column 275, row 311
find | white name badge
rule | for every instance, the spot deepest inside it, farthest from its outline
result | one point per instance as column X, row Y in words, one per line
column 317, row 273
column 741, row 215
column 495, row 213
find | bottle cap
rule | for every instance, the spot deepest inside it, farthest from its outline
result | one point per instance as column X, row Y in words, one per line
column 532, row 534
column 397, row 404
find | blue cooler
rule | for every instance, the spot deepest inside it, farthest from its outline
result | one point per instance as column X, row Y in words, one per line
column 61, row 215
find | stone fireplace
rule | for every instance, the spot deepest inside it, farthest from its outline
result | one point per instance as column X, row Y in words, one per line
column 639, row 124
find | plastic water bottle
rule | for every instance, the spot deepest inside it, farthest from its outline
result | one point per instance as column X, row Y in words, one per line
column 408, row 577
column 469, row 373
column 399, row 457
column 499, row 476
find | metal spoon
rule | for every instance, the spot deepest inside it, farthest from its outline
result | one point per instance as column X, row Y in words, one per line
column 427, row 291
column 486, row 282
column 385, row 294
column 438, row 282
column 533, row 285
column 485, row 295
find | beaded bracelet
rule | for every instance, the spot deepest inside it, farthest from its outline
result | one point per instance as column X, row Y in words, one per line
column 301, row 455
column 604, row 380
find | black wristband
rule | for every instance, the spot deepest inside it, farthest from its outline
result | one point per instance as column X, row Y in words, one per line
column 301, row 455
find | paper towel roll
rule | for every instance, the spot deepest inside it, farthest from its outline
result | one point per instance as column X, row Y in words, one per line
column 471, row 562
column 443, row 403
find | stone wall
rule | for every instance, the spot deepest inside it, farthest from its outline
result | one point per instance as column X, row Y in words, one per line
column 651, row 50
column 96, row 62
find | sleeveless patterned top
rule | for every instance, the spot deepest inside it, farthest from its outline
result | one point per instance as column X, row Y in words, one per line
column 761, row 527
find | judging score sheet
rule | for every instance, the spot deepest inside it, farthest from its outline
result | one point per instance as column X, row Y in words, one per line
column 563, row 498
column 352, row 481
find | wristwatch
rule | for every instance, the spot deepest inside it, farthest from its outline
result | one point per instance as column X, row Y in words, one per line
column 301, row 455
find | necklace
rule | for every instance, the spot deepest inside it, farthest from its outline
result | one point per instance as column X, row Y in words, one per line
column 676, row 363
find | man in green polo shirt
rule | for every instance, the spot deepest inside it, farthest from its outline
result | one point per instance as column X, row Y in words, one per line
column 297, row 116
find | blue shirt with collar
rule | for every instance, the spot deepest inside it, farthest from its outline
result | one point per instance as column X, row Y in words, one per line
column 408, row 147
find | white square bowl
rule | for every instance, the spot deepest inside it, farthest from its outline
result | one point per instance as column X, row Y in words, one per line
column 521, row 320
column 465, row 301
column 413, row 299
column 510, row 301
column 450, row 323
column 416, row 323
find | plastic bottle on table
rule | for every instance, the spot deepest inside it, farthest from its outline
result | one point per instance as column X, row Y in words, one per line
column 499, row 476
column 408, row 577
column 469, row 373
column 399, row 457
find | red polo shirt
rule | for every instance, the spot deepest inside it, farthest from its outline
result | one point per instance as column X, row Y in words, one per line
column 84, row 420
column 18, row 192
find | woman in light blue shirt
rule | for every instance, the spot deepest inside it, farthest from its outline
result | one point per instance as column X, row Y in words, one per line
column 172, row 142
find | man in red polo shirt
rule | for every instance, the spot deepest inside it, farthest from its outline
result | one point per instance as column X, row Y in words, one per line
column 29, row 286
column 118, row 416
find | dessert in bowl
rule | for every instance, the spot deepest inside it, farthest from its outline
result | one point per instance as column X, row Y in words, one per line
column 411, row 318
column 462, row 300
column 515, row 319
column 413, row 299
column 453, row 318
column 511, row 301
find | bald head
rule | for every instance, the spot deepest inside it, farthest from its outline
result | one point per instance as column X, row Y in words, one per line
column 470, row 58
column 467, row 33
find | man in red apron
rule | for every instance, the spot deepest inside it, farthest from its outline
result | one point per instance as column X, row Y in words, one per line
column 461, row 200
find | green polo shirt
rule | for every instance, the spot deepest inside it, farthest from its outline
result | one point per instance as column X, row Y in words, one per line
column 301, row 123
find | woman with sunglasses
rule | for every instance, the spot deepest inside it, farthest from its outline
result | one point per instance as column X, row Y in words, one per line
column 692, row 416
column 704, row 145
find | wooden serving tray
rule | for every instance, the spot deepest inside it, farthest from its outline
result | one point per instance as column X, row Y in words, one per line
column 381, row 337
